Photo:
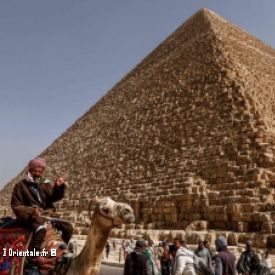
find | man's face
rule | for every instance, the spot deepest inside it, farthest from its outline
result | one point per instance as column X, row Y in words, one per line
column 200, row 245
column 37, row 172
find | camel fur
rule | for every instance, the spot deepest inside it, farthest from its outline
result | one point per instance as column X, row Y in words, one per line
column 107, row 215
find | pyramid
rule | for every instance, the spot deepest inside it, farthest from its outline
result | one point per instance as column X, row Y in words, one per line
column 186, row 137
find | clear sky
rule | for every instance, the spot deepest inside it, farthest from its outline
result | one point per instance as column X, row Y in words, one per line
column 59, row 57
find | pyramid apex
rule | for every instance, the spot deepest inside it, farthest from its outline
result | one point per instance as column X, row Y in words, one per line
column 207, row 14
column 204, row 10
column 201, row 17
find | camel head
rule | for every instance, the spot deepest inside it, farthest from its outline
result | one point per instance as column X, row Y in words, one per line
column 113, row 213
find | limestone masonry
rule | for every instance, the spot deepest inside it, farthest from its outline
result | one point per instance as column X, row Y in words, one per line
column 187, row 138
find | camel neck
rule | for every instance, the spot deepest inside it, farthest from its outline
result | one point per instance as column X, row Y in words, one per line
column 90, row 257
column 98, row 233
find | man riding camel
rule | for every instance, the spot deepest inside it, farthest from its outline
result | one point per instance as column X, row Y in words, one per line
column 34, row 194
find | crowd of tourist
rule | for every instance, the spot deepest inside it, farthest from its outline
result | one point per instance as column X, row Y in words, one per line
column 166, row 258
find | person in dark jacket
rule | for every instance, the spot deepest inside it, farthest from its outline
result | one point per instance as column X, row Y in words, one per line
column 165, row 259
column 224, row 260
column 136, row 261
column 249, row 262
column 31, row 196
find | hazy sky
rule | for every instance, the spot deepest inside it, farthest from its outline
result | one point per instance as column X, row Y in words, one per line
column 59, row 57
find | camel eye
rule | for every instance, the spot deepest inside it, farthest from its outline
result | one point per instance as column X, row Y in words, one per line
column 105, row 210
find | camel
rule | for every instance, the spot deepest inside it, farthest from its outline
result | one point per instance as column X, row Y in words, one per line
column 107, row 215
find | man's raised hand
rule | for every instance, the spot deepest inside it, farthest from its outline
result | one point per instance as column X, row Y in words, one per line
column 61, row 180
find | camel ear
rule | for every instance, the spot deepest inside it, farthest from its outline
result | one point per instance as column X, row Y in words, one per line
column 96, row 199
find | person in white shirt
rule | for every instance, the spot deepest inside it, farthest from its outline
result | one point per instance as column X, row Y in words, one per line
column 184, row 260
column 266, row 264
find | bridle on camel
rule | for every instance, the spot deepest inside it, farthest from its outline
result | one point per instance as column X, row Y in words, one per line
column 102, row 214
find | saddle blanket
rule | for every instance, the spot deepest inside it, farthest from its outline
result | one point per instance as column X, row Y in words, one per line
column 14, row 253
column 13, row 246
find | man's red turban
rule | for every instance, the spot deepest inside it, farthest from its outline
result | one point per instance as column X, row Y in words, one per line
column 38, row 162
